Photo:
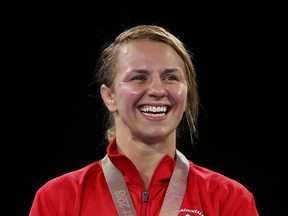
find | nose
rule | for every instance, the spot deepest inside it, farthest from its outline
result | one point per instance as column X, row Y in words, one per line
column 157, row 88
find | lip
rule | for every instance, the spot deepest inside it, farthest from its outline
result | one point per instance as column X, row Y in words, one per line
column 154, row 104
column 155, row 111
column 167, row 106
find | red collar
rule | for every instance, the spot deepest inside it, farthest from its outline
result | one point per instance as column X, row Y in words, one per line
column 162, row 172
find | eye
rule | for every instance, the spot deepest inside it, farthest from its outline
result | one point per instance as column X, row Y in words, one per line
column 139, row 77
column 170, row 77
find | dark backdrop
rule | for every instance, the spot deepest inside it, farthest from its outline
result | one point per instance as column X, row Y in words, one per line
column 239, row 58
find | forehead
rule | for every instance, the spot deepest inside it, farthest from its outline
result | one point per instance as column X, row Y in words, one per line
column 143, row 51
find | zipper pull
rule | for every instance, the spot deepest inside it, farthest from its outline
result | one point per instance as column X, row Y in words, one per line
column 145, row 196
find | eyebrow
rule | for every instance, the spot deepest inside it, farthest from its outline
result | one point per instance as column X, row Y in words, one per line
column 141, row 71
column 167, row 70
column 170, row 70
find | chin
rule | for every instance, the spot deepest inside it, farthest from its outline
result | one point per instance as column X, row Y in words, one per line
column 154, row 138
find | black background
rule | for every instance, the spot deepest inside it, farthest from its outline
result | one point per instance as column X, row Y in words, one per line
column 239, row 57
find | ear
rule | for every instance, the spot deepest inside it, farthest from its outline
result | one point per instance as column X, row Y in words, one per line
column 108, row 98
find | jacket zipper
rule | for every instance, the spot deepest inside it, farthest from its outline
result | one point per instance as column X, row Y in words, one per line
column 145, row 195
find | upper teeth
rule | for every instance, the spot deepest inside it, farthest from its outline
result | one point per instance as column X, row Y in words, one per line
column 154, row 109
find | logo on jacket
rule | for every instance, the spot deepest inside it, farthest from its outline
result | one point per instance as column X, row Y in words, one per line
column 190, row 212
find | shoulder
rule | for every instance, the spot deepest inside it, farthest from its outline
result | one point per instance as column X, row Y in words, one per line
column 62, row 194
column 73, row 180
column 213, row 192
column 214, row 181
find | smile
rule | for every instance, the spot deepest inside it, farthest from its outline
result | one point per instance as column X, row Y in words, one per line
column 154, row 111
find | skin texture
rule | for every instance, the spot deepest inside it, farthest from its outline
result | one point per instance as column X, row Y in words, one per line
column 148, row 74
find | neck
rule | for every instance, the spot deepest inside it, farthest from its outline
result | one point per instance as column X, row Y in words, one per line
column 151, row 154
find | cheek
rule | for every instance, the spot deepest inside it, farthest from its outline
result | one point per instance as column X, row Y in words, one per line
column 180, row 96
column 127, row 93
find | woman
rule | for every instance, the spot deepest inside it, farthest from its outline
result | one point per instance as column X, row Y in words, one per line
column 148, row 84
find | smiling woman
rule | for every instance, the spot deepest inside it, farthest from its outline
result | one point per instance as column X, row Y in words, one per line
column 150, row 75
column 148, row 84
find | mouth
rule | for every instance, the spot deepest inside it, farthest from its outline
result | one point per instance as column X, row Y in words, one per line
column 154, row 111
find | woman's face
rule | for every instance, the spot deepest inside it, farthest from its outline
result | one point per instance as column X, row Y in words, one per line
column 150, row 91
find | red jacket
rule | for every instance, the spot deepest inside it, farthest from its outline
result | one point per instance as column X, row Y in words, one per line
column 84, row 192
